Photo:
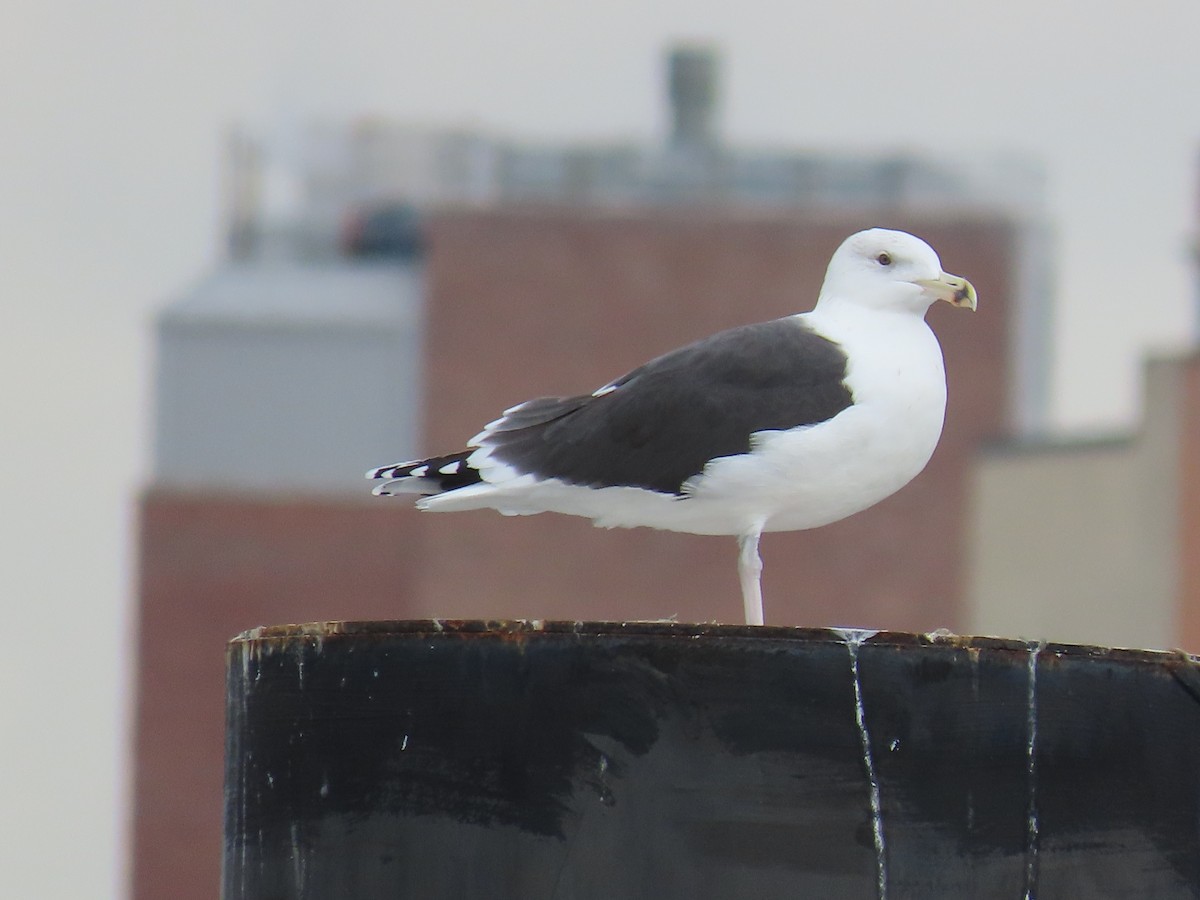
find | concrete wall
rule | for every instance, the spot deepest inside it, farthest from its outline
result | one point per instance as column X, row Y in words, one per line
column 1079, row 542
column 1188, row 541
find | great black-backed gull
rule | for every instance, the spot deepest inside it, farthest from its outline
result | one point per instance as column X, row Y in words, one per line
column 776, row 426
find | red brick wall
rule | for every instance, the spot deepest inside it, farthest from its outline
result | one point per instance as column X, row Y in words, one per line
column 210, row 567
column 554, row 303
column 521, row 304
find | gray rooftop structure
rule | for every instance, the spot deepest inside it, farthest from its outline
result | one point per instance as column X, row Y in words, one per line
column 331, row 168
column 288, row 376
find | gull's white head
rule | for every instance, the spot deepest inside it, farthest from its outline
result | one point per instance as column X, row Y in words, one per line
column 891, row 270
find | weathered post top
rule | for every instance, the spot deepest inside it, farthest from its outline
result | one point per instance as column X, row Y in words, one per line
column 629, row 760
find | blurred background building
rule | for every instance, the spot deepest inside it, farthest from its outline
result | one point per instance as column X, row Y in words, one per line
column 389, row 288
column 1095, row 539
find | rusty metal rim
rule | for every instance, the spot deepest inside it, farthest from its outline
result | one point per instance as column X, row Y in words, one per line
column 277, row 636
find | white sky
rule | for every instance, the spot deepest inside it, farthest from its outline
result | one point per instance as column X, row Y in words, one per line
column 111, row 122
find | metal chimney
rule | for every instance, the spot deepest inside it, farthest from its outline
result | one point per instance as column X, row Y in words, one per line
column 692, row 86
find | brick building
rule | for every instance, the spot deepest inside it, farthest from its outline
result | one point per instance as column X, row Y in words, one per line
column 518, row 302
column 541, row 270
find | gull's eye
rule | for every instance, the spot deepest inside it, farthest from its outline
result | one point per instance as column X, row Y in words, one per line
column 884, row 259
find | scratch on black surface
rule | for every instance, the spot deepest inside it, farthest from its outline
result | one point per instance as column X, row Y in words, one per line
column 566, row 860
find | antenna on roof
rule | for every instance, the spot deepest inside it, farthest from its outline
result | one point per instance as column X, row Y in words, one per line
column 692, row 91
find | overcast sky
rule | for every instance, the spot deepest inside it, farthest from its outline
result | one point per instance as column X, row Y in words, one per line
column 111, row 121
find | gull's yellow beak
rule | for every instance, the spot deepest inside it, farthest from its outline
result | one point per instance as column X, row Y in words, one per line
column 954, row 290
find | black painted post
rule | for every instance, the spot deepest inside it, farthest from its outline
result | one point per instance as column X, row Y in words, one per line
column 600, row 761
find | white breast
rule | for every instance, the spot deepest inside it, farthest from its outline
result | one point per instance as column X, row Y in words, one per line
column 808, row 477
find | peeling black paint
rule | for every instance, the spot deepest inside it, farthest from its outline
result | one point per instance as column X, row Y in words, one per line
column 583, row 760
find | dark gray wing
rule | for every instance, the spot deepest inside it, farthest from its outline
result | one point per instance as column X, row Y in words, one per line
column 659, row 425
